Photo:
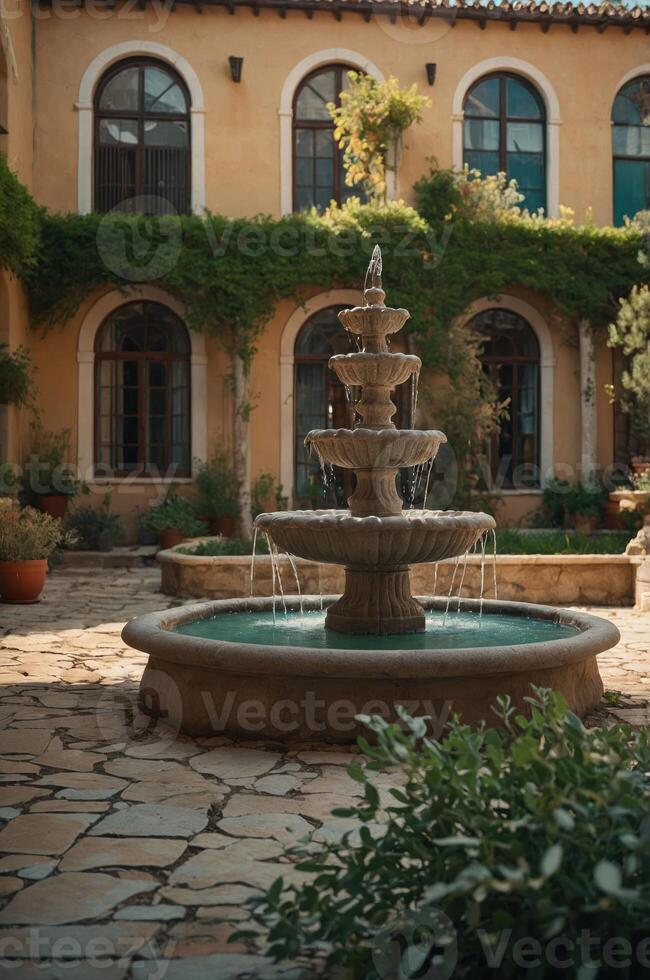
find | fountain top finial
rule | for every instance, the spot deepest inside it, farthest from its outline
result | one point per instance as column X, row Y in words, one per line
column 373, row 294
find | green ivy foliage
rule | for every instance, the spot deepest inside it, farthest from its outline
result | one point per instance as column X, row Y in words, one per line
column 20, row 223
column 465, row 239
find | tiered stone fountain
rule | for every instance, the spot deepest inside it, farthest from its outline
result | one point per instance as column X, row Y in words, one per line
column 376, row 539
column 234, row 667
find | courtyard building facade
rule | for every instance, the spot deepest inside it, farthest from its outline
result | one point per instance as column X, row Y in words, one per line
column 172, row 109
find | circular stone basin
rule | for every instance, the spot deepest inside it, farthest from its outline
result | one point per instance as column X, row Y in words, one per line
column 225, row 668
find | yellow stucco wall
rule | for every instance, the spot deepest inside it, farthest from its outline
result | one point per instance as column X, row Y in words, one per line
column 242, row 163
column 242, row 122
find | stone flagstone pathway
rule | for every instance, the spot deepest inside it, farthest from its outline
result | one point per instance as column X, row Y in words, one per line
column 127, row 855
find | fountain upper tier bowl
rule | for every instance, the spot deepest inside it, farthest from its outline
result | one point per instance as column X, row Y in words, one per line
column 371, row 543
column 375, row 449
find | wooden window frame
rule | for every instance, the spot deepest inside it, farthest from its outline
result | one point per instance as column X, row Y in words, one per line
column 619, row 156
column 493, row 362
column 141, row 116
column 504, row 119
column 143, row 359
column 318, row 124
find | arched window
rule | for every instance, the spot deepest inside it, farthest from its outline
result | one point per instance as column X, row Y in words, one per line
column 142, row 139
column 318, row 174
column 142, row 392
column 510, row 357
column 505, row 132
column 631, row 147
column 320, row 400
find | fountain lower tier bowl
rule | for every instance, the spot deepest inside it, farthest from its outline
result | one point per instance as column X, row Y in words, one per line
column 376, row 553
column 226, row 668
column 367, row 543
column 375, row 449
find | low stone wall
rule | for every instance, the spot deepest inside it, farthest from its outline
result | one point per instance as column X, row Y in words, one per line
column 607, row 580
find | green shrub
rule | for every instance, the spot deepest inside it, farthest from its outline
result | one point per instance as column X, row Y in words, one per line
column 46, row 471
column 266, row 495
column 28, row 534
column 174, row 514
column 16, row 376
column 227, row 546
column 511, row 541
column 97, row 529
column 217, row 487
column 539, row 830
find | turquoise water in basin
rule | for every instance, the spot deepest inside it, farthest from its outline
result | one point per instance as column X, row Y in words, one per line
column 296, row 629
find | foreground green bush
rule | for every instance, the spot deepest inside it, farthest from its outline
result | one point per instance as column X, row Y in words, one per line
column 527, row 840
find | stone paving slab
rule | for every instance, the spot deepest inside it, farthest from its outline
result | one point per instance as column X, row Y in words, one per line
column 127, row 853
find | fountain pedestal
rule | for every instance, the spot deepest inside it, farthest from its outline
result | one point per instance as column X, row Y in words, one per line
column 377, row 601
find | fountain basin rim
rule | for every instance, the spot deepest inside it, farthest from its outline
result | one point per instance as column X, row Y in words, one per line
column 327, row 520
column 153, row 634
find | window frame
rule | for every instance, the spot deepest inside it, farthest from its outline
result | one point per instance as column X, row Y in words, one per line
column 140, row 116
column 624, row 157
column 341, row 69
column 144, row 469
column 504, row 119
column 493, row 362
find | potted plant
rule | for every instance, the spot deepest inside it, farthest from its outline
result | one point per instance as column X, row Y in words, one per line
column 16, row 376
column 47, row 478
column 218, row 493
column 146, row 537
column 27, row 538
column 267, row 495
column 174, row 519
column 97, row 529
column 583, row 506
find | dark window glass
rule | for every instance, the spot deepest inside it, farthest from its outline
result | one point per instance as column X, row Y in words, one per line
column 142, row 392
column 318, row 174
column 631, row 148
column 505, row 132
column 142, row 139
column 510, row 357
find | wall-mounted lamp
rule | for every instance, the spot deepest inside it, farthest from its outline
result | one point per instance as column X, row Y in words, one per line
column 431, row 72
column 236, row 65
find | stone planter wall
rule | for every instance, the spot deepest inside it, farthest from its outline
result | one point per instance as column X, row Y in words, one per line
column 554, row 579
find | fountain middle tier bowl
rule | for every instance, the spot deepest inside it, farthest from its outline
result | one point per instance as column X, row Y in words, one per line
column 363, row 368
column 370, row 449
column 413, row 537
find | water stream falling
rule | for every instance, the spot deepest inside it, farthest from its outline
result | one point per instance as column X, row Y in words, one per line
column 253, row 560
column 276, row 557
column 451, row 589
column 296, row 577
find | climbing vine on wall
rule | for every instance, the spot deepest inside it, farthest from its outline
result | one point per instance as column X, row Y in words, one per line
column 20, row 223
column 465, row 239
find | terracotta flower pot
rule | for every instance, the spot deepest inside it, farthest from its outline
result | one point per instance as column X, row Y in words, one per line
column 54, row 504
column 168, row 539
column 226, row 526
column 585, row 523
column 612, row 515
column 22, row 581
